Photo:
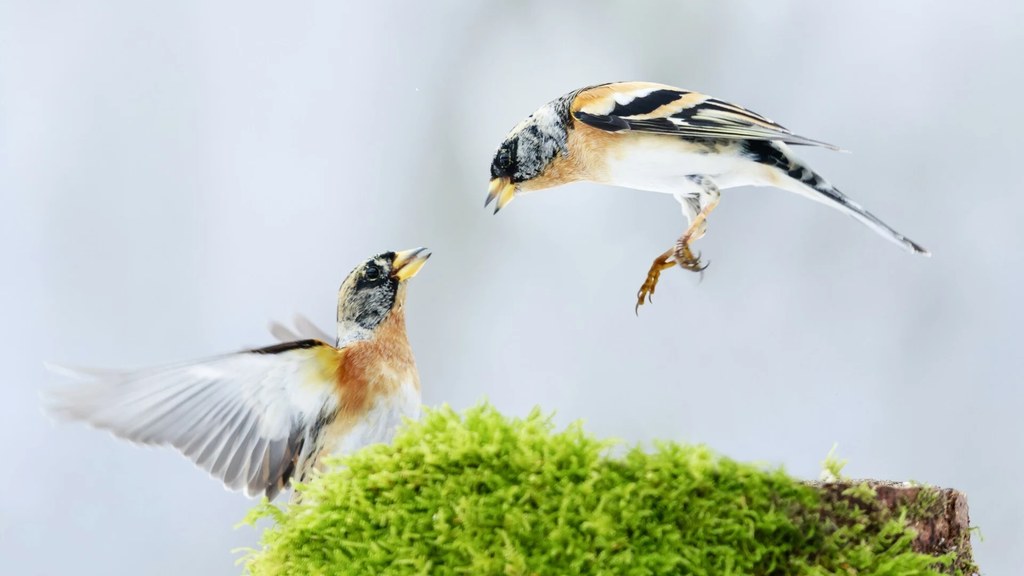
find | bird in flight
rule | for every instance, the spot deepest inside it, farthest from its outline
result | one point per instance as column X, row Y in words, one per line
column 659, row 138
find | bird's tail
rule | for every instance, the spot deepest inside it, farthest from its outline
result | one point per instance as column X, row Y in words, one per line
column 806, row 182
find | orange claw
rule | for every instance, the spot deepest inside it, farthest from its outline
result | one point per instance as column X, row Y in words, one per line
column 662, row 262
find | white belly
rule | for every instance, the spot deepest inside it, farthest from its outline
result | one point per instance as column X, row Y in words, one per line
column 382, row 420
column 662, row 164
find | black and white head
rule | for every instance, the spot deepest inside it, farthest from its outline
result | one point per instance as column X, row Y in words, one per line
column 374, row 290
column 528, row 150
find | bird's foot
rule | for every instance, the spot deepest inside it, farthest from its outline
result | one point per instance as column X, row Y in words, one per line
column 663, row 262
column 686, row 259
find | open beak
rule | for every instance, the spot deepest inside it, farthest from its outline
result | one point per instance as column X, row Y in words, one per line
column 501, row 189
column 408, row 262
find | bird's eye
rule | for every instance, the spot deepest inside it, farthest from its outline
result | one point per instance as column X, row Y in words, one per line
column 372, row 273
column 504, row 158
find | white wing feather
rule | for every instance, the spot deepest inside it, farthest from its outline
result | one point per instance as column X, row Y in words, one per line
column 244, row 418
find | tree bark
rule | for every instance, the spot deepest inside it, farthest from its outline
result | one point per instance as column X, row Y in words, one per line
column 938, row 515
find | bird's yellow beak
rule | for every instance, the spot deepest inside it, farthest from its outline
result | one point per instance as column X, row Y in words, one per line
column 408, row 262
column 501, row 189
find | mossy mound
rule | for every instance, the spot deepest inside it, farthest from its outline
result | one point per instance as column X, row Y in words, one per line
column 480, row 493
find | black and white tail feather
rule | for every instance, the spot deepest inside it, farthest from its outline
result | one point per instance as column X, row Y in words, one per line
column 809, row 184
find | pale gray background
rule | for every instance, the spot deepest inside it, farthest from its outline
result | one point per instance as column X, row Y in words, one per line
column 176, row 174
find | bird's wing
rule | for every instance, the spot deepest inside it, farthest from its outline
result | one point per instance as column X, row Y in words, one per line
column 304, row 328
column 661, row 109
column 247, row 418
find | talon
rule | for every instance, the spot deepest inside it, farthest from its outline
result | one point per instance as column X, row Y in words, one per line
column 697, row 266
column 700, row 277
column 646, row 291
column 660, row 263
column 688, row 260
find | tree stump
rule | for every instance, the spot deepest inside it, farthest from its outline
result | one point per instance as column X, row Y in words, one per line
column 938, row 515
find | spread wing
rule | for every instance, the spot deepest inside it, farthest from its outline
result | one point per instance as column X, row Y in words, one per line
column 248, row 419
column 661, row 109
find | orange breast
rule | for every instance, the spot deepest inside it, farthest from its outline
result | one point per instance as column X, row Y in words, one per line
column 373, row 369
column 586, row 159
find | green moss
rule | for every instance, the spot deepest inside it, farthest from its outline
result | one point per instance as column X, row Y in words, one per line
column 832, row 466
column 927, row 504
column 483, row 494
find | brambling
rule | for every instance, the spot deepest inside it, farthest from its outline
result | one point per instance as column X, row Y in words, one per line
column 662, row 139
column 259, row 419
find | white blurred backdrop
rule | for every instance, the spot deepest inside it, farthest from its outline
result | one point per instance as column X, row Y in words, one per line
column 175, row 175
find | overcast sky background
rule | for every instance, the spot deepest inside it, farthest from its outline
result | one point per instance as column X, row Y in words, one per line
column 175, row 175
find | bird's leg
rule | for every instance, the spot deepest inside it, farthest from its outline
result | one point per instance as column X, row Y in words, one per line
column 696, row 207
column 663, row 262
column 707, row 200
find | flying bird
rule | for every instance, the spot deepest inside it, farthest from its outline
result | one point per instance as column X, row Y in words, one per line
column 260, row 419
column 659, row 138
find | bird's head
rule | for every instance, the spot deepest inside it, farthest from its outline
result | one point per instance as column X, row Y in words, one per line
column 527, row 152
column 375, row 289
